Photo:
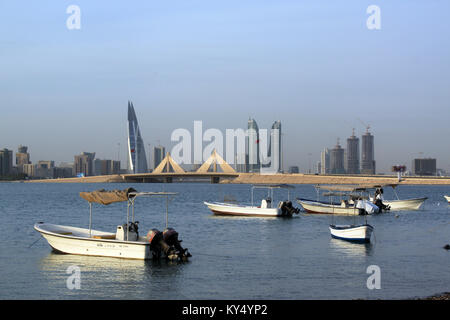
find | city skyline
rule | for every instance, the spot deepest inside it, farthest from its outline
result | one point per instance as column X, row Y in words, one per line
column 317, row 68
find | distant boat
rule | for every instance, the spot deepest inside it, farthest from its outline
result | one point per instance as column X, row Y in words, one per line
column 353, row 201
column 447, row 198
column 354, row 233
column 283, row 209
column 401, row 204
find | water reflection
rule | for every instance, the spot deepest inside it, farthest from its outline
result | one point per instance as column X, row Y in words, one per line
column 122, row 270
column 351, row 249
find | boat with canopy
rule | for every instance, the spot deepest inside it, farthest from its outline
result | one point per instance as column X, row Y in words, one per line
column 398, row 204
column 126, row 241
column 265, row 209
column 343, row 200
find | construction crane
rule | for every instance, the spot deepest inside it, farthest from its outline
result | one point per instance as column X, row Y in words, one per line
column 365, row 125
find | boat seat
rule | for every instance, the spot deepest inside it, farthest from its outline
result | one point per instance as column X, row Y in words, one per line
column 105, row 236
column 64, row 233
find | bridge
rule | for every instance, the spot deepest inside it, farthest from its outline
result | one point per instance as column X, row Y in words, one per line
column 168, row 170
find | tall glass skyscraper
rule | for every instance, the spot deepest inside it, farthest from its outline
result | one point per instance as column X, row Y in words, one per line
column 159, row 153
column 367, row 154
column 137, row 161
column 337, row 159
column 275, row 146
column 353, row 154
column 253, row 146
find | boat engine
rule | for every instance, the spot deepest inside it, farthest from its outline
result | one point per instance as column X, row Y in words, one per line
column 170, row 236
column 159, row 246
column 287, row 209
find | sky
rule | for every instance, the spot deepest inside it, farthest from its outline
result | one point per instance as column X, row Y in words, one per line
column 313, row 65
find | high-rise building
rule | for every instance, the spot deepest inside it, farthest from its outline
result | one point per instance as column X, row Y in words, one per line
column 367, row 154
column 241, row 162
column 353, row 154
column 275, row 146
column 424, row 167
column 22, row 158
column 45, row 169
column 105, row 167
column 6, row 162
column 159, row 153
column 137, row 160
column 253, row 146
column 83, row 164
column 28, row 169
column 325, row 161
column 337, row 159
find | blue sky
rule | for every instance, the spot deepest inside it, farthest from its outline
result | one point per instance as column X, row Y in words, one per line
column 314, row 65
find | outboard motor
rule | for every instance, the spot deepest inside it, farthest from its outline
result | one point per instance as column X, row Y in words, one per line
column 158, row 245
column 170, row 236
column 287, row 209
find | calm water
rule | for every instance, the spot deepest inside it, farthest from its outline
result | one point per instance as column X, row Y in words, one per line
column 233, row 258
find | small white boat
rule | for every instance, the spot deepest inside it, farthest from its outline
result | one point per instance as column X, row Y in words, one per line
column 400, row 204
column 323, row 208
column 82, row 241
column 283, row 209
column 405, row 204
column 352, row 201
column 354, row 233
column 447, row 198
column 125, row 242
column 219, row 208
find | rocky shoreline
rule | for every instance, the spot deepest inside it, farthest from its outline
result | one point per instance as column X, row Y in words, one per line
column 441, row 296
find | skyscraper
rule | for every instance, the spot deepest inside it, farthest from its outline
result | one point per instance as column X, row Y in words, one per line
column 424, row 167
column 367, row 154
column 274, row 153
column 83, row 164
column 253, row 146
column 353, row 154
column 159, row 153
column 6, row 163
column 22, row 158
column 137, row 160
column 337, row 159
column 325, row 161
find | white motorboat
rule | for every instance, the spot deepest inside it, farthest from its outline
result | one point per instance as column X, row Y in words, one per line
column 354, row 233
column 125, row 242
column 447, row 198
column 316, row 207
column 400, row 204
column 352, row 201
column 406, row 204
column 283, row 209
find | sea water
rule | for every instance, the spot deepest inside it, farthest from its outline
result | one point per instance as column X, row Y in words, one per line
column 232, row 257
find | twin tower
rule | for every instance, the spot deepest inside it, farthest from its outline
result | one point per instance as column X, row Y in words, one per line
column 137, row 160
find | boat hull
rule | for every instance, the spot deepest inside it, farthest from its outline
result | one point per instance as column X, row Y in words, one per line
column 73, row 240
column 407, row 204
column 447, row 198
column 360, row 233
column 321, row 208
column 234, row 210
